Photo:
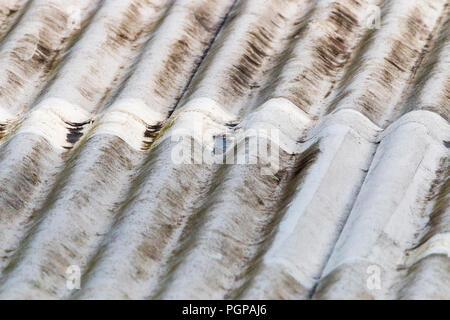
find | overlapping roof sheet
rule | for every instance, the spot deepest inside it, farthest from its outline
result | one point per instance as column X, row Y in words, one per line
column 96, row 101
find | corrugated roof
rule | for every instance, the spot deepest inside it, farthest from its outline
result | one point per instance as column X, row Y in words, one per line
column 100, row 99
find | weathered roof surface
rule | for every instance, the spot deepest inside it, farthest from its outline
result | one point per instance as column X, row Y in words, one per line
column 92, row 94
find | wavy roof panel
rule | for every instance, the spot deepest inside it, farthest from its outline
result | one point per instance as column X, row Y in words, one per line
column 127, row 131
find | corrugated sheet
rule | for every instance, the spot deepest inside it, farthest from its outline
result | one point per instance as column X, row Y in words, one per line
column 94, row 96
